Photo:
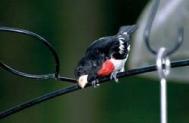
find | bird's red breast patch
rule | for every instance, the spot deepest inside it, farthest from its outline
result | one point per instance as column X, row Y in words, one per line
column 106, row 69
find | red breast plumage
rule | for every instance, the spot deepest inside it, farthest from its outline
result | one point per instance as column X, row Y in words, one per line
column 106, row 69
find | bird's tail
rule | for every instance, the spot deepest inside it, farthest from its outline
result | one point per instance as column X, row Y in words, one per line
column 127, row 29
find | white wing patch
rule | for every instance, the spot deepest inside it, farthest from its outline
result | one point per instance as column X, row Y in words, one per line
column 121, row 46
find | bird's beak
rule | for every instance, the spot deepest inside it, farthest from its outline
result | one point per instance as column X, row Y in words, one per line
column 82, row 81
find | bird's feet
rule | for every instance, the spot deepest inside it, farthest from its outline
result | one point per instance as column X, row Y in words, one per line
column 95, row 83
column 113, row 76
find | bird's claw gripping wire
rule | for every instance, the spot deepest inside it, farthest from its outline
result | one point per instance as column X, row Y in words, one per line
column 95, row 83
column 113, row 76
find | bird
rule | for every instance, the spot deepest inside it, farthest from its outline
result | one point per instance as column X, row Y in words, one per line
column 104, row 57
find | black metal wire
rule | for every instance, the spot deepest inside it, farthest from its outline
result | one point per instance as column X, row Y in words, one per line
column 19, row 73
column 148, row 28
column 75, row 87
column 54, row 75
column 38, row 100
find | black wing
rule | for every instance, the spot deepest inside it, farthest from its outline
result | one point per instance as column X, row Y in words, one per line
column 100, row 46
column 99, row 51
column 94, row 57
column 111, row 46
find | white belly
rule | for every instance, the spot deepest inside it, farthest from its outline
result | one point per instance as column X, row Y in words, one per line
column 119, row 64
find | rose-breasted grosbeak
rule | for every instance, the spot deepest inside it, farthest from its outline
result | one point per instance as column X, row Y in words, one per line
column 105, row 57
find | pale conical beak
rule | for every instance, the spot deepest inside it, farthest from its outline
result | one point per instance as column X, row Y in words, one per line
column 82, row 81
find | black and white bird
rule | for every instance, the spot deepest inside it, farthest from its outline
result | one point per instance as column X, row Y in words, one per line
column 105, row 57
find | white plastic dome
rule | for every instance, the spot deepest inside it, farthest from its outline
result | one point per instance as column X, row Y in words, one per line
column 171, row 15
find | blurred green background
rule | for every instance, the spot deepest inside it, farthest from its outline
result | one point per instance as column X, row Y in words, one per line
column 71, row 25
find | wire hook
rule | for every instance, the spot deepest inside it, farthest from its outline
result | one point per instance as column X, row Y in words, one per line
column 148, row 28
column 163, row 63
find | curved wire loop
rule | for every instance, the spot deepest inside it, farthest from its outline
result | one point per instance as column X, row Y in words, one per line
column 148, row 28
column 54, row 75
